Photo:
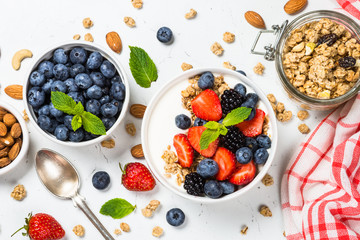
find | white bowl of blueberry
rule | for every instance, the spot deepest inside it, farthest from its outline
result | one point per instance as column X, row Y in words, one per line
column 209, row 135
column 76, row 93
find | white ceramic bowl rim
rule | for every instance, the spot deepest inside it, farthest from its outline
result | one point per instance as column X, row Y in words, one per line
column 184, row 77
column 90, row 47
column 25, row 138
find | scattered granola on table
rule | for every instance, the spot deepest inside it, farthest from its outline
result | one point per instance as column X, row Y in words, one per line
column 217, row 49
column 265, row 211
column 76, row 37
column 321, row 59
column 303, row 128
column 271, row 98
column 117, row 231
column 108, row 143
column 87, row 23
column 88, row 37
column 191, row 14
column 228, row 37
column 25, row 117
column 244, row 230
column 281, row 113
column 125, row 227
column 259, row 69
column 229, row 66
column 129, row 21
column 185, row 66
column 79, row 230
column 157, row 231
column 150, row 208
column 137, row 3
column 19, row 192
column 267, row 180
column 303, row 114
column 130, row 129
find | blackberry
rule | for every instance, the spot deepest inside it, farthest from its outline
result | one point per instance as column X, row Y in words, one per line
column 194, row 184
column 234, row 139
column 230, row 100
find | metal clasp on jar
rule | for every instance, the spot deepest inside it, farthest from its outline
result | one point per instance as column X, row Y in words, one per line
column 270, row 49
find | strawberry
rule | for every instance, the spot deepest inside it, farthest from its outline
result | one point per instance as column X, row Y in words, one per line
column 226, row 162
column 194, row 135
column 184, row 150
column 42, row 226
column 207, row 106
column 136, row 177
column 243, row 174
column 253, row 127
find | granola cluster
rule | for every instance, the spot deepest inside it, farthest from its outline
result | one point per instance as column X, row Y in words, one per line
column 19, row 192
column 282, row 115
column 150, row 208
column 311, row 59
column 79, row 230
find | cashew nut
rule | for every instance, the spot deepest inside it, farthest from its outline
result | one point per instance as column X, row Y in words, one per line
column 19, row 56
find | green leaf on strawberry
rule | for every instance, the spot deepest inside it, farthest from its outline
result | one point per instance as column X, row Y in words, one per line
column 117, row 208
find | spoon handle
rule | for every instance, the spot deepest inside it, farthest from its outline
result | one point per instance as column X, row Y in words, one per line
column 80, row 203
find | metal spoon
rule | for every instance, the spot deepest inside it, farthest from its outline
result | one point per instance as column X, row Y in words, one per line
column 61, row 178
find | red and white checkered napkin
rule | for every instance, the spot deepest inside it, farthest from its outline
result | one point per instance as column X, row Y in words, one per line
column 351, row 6
column 320, row 190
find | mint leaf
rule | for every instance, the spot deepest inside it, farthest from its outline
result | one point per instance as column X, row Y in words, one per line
column 223, row 130
column 142, row 67
column 207, row 137
column 236, row 116
column 76, row 122
column 79, row 108
column 117, row 208
column 212, row 125
column 63, row 102
column 92, row 124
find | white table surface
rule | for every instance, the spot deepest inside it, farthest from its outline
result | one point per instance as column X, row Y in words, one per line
column 36, row 25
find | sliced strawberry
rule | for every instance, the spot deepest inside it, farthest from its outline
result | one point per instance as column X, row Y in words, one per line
column 194, row 135
column 254, row 126
column 226, row 161
column 184, row 150
column 243, row 174
column 207, row 106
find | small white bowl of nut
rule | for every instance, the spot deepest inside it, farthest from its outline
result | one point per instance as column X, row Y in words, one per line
column 14, row 138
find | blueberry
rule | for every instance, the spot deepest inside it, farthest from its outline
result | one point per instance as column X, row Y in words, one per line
column 207, row 168
column 37, row 79
column 164, row 35
column 71, row 86
column 118, row 104
column 60, row 118
column 76, row 69
column 252, row 98
column 199, row 122
column 44, row 122
column 241, row 72
column 60, row 56
column 61, row 71
column 227, row 187
column 109, row 110
column 76, row 136
column 46, row 68
column 251, row 143
column 182, row 121
column 263, row 141
column 61, row 132
column 54, row 125
column 67, row 121
column 98, row 78
column 78, row 55
column 213, row 189
column 47, row 86
column 104, row 99
column 249, row 104
column 58, row 86
column 105, row 90
column 94, row 61
column 206, row 80
column 241, row 89
column 260, row 156
column 93, row 106
column 115, row 79
column 108, row 122
column 175, row 217
column 77, row 97
column 244, row 155
column 108, row 69
column 36, row 97
column 83, row 81
column 55, row 112
column 252, row 114
column 117, row 91
column 101, row 180
column 44, row 110
column 94, row 92
column 88, row 136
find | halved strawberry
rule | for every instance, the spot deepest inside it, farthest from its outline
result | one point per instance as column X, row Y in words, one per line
column 243, row 174
column 194, row 135
column 207, row 106
column 254, row 126
column 226, row 161
column 184, row 150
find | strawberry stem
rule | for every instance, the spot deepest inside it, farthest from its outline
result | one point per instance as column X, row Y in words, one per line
column 26, row 226
column 122, row 170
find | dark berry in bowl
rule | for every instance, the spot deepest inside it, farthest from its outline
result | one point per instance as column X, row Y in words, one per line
column 233, row 140
column 241, row 89
column 46, row 68
column 244, row 155
column 60, row 56
column 260, row 156
column 58, row 86
column 194, row 184
column 83, row 81
column 108, row 69
column 207, row 168
column 98, row 79
column 109, row 110
column 213, row 189
column 117, row 91
column 78, row 55
column 61, row 72
column 101, row 180
column 264, row 141
column 94, row 61
column 175, row 217
column 36, row 97
column 182, row 121
column 227, row 187
column 230, row 100
column 76, row 136
column 76, row 69
column 61, row 132
column 37, row 79
column 241, row 72
column 206, row 80
column 164, row 35
column 199, row 122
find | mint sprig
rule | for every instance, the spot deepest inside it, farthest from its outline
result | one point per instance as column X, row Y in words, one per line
column 89, row 121
column 142, row 67
column 215, row 129
column 117, row 208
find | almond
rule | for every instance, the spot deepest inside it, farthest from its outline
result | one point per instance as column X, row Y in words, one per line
column 3, row 129
column 15, row 130
column 19, row 141
column 2, row 145
column 254, row 19
column 138, row 110
column 4, row 162
column 108, row 143
column 14, row 91
column 137, row 151
column 7, row 140
column 14, row 151
column 294, row 6
column 2, row 113
column 4, row 152
column 9, row 119
column 114, row 41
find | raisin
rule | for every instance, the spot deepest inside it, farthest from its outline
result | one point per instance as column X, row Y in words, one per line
column 329, row 39
column 347, row 62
